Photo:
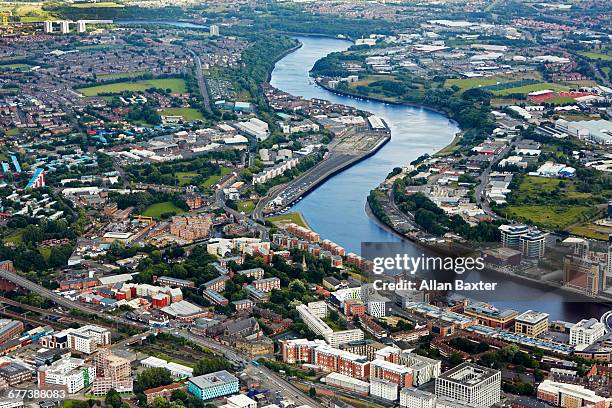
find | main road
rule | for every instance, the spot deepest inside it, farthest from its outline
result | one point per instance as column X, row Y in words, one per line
column 201, row 81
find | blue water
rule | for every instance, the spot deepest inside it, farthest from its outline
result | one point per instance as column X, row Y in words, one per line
column 336, row 209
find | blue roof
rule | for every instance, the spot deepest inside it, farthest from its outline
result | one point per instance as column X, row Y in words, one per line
column 16, row 163
column 37, row 173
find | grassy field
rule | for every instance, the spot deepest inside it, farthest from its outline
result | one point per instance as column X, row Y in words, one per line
column 532, row 188
column 293, row 217
column 469, row 83
column 176, row 85
column 549, row 216
column 531, row 88
column 45, row 252
column 188, row 114
column 596, row 56
column 20, row 67
column 563, row 100
column 372, row 78
column 15, row 238
column 156, row 210
column 185, row 177
column 27, row 12
column 592, row 231
column 542, row 210
column 246, row 206
column 212, row 180
column 121, row 75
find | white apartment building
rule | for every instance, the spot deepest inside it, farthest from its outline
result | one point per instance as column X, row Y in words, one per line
column 384, row 389
column 377, row 306
column 335, row 339
column 414, row 398
column 586, row 332
column 313, row 322
column 424, row 369
column 470, row 383
column 319, row 309
column 68, row 372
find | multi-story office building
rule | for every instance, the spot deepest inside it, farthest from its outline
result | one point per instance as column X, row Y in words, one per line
column 414, row 398
column 213, row 385
column 586, row 332
column 377, row 305
column 299, row 350
column 113, row 372
column 15, row 374
column 533, row 244
column 511, row 235
column 531, row 323
column 71, row 373
column 339, row 361
column 584, row 274
column 470, row 383
column 489, row 315
column 384, row 389
column 396, row 373
column 569, row 395
column 87, row 339
column 214, row 30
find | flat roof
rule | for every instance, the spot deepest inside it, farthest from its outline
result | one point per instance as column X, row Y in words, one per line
column 532, row 317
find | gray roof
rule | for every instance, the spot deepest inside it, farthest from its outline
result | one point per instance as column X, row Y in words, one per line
column 213, row 379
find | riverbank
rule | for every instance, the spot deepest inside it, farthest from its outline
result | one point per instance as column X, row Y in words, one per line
column 318, row 180
column 280, row 57
column 386, row 101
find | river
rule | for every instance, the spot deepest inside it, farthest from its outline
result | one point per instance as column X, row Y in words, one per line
column 336, row 209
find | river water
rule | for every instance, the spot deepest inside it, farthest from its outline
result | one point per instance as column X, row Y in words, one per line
column 336, row 209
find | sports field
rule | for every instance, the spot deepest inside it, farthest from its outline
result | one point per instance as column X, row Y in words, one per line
column 531, row 88
column 176, row 85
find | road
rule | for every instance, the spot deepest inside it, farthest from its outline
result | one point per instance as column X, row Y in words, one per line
column 220, row 201
column 201, row 81
column 306, row 182
column 484, row 180
column 279, row 383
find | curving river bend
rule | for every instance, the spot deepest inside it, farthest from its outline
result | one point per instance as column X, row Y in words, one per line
column 336, row 209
